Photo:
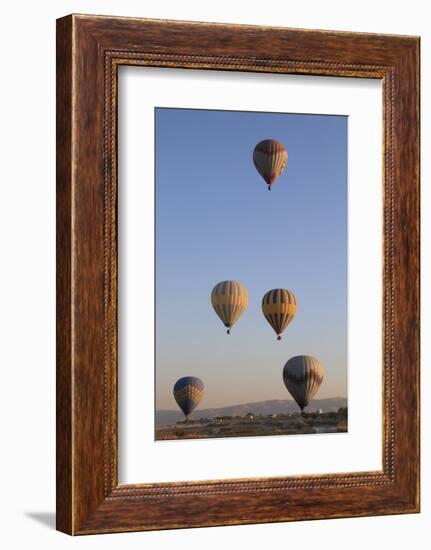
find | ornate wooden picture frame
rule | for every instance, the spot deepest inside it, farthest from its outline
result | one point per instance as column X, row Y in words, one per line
column 89, row 51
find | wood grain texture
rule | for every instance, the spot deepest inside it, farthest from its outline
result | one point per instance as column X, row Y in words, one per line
column 64, row 495
column 90, row 49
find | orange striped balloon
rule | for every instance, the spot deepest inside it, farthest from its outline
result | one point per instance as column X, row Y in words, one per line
column 229, row 300
column 270, row 159
column 279, row 308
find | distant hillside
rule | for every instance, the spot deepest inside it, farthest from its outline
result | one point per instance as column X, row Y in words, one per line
column 273, row 406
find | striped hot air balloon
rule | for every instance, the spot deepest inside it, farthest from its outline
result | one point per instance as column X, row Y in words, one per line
column 229, row 300
column 270, row 159
column 302, row 377
column 188, row 393
column 279, row 308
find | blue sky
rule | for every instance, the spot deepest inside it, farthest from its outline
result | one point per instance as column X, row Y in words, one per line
column 216, row 220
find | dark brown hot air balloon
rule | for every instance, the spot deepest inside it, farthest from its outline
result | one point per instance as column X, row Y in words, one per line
column 302, row 377
column 270, row 159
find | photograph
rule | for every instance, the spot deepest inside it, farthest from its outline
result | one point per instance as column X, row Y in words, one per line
column 251, row 225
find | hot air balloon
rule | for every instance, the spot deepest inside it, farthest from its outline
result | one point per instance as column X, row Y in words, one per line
column 229, row 300
column 270, row 159
column 279, row 308
column 302, row 377
column 188, row 392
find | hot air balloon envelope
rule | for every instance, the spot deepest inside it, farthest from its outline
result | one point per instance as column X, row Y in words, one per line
column 188, row 393
column 302, row 377
column 229, row 300
column 270, row 159
column 279, row 308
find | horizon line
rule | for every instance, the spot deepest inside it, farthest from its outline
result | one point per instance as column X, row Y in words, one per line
column 254, row 403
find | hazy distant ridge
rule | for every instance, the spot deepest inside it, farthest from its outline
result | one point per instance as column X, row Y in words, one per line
column 273, row 406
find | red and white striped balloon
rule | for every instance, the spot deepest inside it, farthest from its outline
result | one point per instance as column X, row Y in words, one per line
column 270, row 159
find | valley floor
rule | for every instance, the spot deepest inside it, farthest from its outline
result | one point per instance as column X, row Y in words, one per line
column 248, row 426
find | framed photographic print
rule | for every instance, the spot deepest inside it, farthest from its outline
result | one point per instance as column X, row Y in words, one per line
column 211, row 226
column 237, row 274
